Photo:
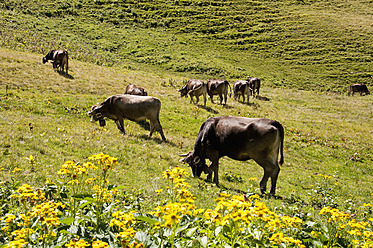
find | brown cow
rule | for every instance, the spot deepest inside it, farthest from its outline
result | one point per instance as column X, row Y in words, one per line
column 135, row 90
column 194, row 88
column 241, row 139
column 60, row 59
column 134, row 108
column 254, row 84
column 241, row 88
column 362, row 88
column 218, row 87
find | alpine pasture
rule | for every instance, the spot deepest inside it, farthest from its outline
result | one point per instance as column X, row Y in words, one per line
column 306, row 53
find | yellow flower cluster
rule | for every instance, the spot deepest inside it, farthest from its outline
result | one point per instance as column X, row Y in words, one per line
column 47, row 213
column 124, row 221
column 75, row 243
column 335, row 215
column 106, row 161
column 175, row 176
column 104, row 194
column 359, row 230
column 100, row 244
column 325, row 176
column 26, row 193
column 278, row 238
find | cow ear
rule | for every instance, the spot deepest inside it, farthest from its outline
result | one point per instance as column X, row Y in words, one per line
column 196, row 160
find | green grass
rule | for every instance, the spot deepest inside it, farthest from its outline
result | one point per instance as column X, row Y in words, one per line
column 316, row 45
column 328, row 134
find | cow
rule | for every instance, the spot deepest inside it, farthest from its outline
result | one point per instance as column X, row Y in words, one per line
column 218, row 87
column 131, row 107
column 241, row 88
column 254, row 84
column 135, row 90
column 60, row 59
column 194, row 88
column 362, row 88
column 241, row 139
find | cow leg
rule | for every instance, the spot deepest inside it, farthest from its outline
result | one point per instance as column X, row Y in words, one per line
column 214, row 168
column 54, row 65
column 197, row 97
column 221, row 98
column 271, row 170
column 247, row 97
column 120, row 125
column 204, row 100
column 156, row 126
column 211, row 97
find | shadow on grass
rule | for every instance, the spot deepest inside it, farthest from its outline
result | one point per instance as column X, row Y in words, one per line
column 66, row 75
column 209, row 109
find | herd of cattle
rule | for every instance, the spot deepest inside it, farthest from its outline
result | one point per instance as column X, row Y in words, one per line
column 238, row 138
column 241, row 88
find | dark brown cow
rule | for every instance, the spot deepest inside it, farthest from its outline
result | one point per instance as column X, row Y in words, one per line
column 241, row 88
column 254, row 84
column 218, row 87
column 362, row 88
column 60, row 59
column 241, row 139
column 134, row 108
column 135, row 90
column 194, row 88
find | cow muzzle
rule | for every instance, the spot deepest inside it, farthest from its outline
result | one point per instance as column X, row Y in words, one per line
column 102, row 122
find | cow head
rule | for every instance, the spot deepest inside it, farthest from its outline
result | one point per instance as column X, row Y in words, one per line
column 44, row 60
column 197, row 164
column 96, row 115
column 184, row 91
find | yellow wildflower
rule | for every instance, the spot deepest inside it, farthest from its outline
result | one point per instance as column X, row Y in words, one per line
column 100, row 244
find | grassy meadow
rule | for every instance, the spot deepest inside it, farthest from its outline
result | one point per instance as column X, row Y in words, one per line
column 305, row 52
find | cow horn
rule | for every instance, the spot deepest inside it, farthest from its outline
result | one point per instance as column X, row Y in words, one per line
column 183, row 155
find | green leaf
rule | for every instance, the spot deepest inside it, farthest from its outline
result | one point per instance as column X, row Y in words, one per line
column 67, row 221
column 191, row 231
column 204, row 241
column 147, row 220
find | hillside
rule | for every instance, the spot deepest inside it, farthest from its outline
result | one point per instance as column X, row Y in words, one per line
column 307, row 44
column 43, row 114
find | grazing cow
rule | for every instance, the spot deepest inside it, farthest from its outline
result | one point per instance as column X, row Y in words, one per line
column 135, row 90
column 134, row 108
column 241, row 139
column 362, row 88
column 60, row 59
column 218, row 87
column 254, row 84
column 194, row 88
column 241, row 88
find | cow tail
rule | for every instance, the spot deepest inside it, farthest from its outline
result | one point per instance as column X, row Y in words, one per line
column 282, row 135
column 67, row 61
column 230, row 94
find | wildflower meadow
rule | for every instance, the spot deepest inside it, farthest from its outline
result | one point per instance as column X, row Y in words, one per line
column 81, row 208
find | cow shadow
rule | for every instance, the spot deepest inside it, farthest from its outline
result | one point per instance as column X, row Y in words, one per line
column 144, row 124
column 209, row 109
column 65, row 75
column 157, row 139
column 241, row 192
column 262, row 98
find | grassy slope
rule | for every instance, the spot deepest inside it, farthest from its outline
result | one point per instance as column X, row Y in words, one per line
column 298, row 44
column 325, row 133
